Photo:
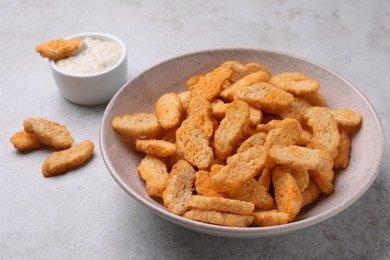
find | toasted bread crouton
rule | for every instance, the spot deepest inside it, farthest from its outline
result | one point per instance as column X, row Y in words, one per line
column 240, row 167
column 219, row 218
column 194, row 144
column 301, row 176
column 344, row 149
column 240, row 70
column 25, row 142
column 185, row 97
column 296, row 156
column 200, row 110
column 287, row 132
column 232, row 91
column 252, row 191
column 315, row 99
column 295, row 110
column 169, row 110
column 287, row 195
column 310, row 194
column 58, row 49
column 232, row 129
column 203, row 185
column 65, row 160
column 264, row 96
column 158, row 148
column 136, row 125
column 346, row 117
column 221, row 204
column 295, row 83
column 179, row 188
column 155, row 174
column 48, row 132
column 269, row 218
column 326, row 134
column 258, row 138
column 210, row 85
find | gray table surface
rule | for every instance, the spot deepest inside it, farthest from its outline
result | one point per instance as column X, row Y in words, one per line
column 84, row 214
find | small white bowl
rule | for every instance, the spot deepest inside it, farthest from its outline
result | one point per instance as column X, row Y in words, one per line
column 141, row 93
column 96, row 88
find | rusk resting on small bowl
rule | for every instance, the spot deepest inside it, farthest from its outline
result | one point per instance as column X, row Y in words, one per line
column 92, row 88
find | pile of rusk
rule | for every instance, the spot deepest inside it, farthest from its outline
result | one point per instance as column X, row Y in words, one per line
column 241, row 147
column 40, row 131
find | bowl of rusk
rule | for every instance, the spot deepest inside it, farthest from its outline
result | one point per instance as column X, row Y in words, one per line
column 88, row 68
column 242, row 142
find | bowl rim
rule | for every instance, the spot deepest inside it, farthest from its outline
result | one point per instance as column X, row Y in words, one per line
column 98, row 35
column 244, row 231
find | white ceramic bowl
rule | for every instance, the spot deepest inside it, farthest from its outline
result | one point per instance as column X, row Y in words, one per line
column 96, row 88
column 141, row 93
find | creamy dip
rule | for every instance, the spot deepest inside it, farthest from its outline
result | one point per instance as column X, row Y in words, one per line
column 95, row 56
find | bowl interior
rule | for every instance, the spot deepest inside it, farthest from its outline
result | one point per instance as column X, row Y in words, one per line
column 141, row 94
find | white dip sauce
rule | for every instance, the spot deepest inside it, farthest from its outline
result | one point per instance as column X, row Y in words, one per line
column 96, row 56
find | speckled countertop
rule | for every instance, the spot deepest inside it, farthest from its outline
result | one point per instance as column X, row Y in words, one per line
column 84, row 214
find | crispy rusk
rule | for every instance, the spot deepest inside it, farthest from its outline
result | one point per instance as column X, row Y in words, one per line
column 296, row 156
column 185, row 97
column 252, row 191
column 264, row 96
column 318, row 162
column 179, row 188
column 221, row 204
column 344, row 150
column 255, row 139
column 287, row 195
column 200, row 110
column 25, row 142
column 304, row 139
column 210, row 85
column 173, row 159
column 295, row 83
column 137, row 125
column 301, row 176
column 193, row 142
column 286, row 132
column 346, row 117
column 155, row 174
column 295, row 110
column 48, row 132
column 58, row 49
column 170, row 135
column 65, row 160
column 239, row 70
column 310, row 194
column 231, row 130
column 193, row 80
column 265, row 178
column 231, row 92
column 315, row 99
column 203, row 185
column 269, row 218
column 219, row 108
column 240, row 167
column 219, row 218
column 324, row 179
column 169, row 110
column 158, row 148
column 219, row 112
column 255, row 116
column 325, row 131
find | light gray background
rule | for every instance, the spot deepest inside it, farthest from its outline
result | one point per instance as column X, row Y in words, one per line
column 84, row 214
